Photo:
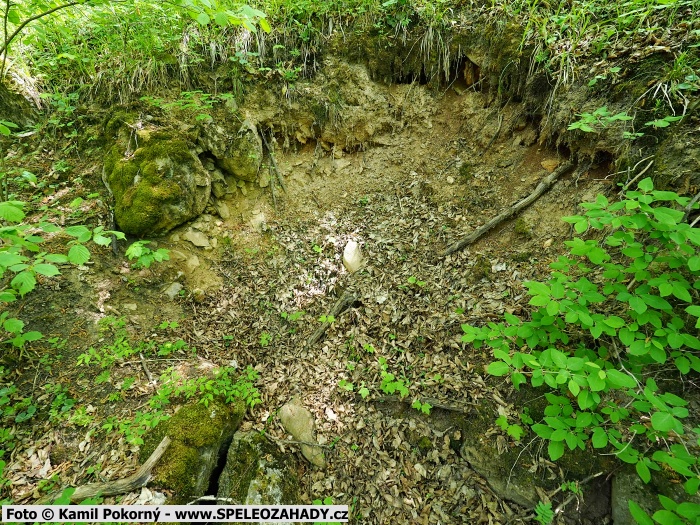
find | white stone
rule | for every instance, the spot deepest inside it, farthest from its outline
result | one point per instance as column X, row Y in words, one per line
column 352, row 256
column 299, row 422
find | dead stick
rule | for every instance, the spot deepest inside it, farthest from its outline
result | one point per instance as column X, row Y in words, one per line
column 120, row 486
column 543, row 186
column 273, row 162
column 145, row 369
column 340, row 305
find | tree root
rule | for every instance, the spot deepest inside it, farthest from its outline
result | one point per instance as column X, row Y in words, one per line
column 542, row 187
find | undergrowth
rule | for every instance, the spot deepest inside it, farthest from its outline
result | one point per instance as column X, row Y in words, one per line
column 612, row 339
column 116, row 51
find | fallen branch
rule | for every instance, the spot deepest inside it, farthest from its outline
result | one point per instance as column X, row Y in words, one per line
column 339, row 307
column 120, row 486
column 542, row 187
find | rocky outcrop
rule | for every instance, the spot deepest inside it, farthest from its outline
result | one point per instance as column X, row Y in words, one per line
column 157, row 182
column 237, row 153
column 256, row 473
column 15, row 108
column 199, row 436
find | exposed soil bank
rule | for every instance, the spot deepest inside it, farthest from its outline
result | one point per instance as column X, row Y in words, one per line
column 403, row 147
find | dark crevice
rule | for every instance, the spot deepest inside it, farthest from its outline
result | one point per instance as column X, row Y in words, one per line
column 213, row 488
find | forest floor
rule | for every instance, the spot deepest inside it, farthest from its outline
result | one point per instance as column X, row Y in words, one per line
column 276, row 270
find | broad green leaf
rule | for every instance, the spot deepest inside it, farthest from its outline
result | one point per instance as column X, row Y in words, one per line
column 683, row 364
column 675, row 340
column 643, row 471
column 498, row 368
column 23, row 282
column 692, row 485
column 555, row 450
column 666, row 517
column 667, row 216
column 32, row 335
column 694, row 263
column 693, row 310
column 539, row 300
column 621, row 379
column 14, row 326
column 101, row 240
column 7, row 296
column 626, row 336
column 663, row 421
column 688, row 510
column 544, row 431
column 49, row 270
column 265, row 25
column 558, row 358
column 78, row 254
column 614, row 321
column 599, row 438
column 681, row 292
column 581, row 226
column 49, row 227
column 646, row 184
column 57, row 258
column 202, row 19
column 585, row 400
column 537, row 288
column 9, row 259
column 637, row 304
column 11, row 211
column 574, row 388
column 656, row 302
column 641, row 517
column 82, row 233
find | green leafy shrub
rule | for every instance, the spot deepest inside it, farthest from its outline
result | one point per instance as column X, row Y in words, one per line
column 22, row 257
column 613, row 314
column 144, row 255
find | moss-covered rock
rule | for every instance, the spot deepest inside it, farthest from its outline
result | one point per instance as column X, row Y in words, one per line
column 199, row 434
column 256, row 473
column 15, row 108
column 156, row 181
column 237, row 153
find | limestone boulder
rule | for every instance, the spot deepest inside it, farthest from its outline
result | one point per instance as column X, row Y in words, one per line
column 237, row 153
column 199, row 435
column 257, row 473
column 298, row 421
column 156, row 180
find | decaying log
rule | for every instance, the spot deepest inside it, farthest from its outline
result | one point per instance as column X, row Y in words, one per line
column 542, row 187
column 339, row 307
column 119, row 486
